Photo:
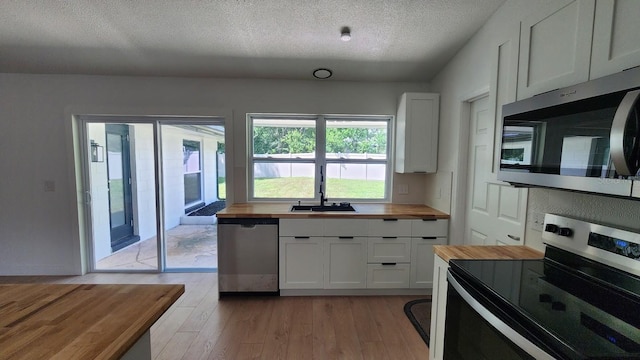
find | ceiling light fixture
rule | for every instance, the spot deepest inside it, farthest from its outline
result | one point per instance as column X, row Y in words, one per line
column 322, row 73
column 345, row 34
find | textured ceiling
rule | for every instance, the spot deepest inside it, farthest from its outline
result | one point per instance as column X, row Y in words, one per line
column 392, row 40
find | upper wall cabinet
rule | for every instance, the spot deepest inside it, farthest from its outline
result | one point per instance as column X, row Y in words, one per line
column 615, row 37
column 417, row 133
column 555, row 47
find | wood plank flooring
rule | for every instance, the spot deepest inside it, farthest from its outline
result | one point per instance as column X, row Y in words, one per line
column 199, row 326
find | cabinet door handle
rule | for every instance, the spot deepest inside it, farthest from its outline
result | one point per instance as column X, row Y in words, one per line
column 389, row 237
column 345, row 237
column 429, row 219
column 513, row 237
column 301, row 237
column 389, row 219
column 389, row 264
column 429, row 237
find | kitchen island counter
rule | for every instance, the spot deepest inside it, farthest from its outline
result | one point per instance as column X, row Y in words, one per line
column 448, row 252
column 365, row 211
column 80, row 321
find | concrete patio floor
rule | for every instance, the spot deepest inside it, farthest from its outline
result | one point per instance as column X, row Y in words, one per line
column 188, row 246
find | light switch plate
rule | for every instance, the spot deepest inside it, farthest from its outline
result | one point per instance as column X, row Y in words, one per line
column 49, row 186
column 403, row 189
column 537, row 221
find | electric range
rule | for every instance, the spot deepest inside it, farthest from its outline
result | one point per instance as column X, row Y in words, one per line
column 582, row 301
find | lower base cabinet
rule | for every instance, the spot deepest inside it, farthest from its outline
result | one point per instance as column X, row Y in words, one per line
column 438, row 308
column 301, row 262
column 345, row 262
column 422, row 261
column 340, row 254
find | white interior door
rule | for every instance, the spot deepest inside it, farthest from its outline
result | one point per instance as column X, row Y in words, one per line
column 496, row 212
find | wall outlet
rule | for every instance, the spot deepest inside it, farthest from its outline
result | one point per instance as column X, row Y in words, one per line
column 403, row 189
column 537, row 221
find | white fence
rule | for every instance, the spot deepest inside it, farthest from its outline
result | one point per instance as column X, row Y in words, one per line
column 355, row 171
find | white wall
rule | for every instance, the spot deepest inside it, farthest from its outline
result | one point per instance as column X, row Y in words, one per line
column 39, row 231
column 100, row 195
column 469, row 72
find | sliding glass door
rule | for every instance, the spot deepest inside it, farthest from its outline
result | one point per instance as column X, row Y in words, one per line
column 133, row 163
column 191, row 165
column 122, row 184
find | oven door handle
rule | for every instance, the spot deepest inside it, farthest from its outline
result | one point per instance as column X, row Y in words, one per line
column 522, row 342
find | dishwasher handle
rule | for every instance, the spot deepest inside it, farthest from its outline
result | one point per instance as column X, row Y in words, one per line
column 247, row 222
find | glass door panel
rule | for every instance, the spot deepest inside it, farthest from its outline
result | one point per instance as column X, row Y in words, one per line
column 193, row 178
column 122, row 188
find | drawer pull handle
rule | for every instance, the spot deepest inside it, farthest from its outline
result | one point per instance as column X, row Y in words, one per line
column 301, row 237
column 429, row 237
column 345, row 237
column 513, row 237
column 389, row 219
column 389, row 264
column 430, row 219
column 389, row 237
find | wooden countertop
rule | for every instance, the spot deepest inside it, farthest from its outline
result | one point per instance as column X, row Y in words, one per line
column 370, row 211
column 448, row 252
column 65, row 321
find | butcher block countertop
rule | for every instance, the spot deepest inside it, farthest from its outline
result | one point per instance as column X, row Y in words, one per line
column 367, row 211
column 448, row 252
column 65, row 321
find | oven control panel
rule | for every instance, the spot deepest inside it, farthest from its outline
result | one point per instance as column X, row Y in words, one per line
column 613, row 245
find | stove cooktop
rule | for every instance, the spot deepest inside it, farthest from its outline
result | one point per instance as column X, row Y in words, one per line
column 586, row 309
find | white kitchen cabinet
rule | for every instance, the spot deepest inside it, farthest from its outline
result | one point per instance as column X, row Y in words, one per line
column 301, row 262
column 389, row 260
column 388, row 250
column 301, row 227
column 615, row 37
column 344, row 227
column 429, row 227
column 424, row 235
column 389, row 227
column 388, row 276
column 438, row 308
column 345, row 260
column 358, row 253
column 422, row 260
column 555, row 47
column 417, row 133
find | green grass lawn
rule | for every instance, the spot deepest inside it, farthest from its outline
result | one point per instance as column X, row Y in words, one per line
column 299, row 187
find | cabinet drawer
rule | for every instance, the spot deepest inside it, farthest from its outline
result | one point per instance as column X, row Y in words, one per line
column 437, row 228
column 345, row 227
column 389, row 250
column 388, row 276
column 389, row 227
column 301, row 227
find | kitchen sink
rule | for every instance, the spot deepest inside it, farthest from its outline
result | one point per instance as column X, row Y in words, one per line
column 332, row 207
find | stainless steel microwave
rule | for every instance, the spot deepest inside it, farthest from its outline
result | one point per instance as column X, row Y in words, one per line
column 583, row 138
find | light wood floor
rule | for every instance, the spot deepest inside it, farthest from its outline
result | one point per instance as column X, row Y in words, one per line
column 199, row 326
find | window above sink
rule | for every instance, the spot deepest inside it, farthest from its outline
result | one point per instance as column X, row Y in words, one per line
column 289, row 150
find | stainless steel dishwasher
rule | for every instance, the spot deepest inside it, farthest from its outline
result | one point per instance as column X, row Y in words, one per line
column 248, row 256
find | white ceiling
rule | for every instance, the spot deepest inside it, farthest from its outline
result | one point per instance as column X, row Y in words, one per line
column 392, row 40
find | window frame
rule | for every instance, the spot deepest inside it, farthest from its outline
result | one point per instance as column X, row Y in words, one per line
column 320, row 155
column 188, row 207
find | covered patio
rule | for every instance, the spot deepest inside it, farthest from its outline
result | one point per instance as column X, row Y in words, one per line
column 188, row 247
